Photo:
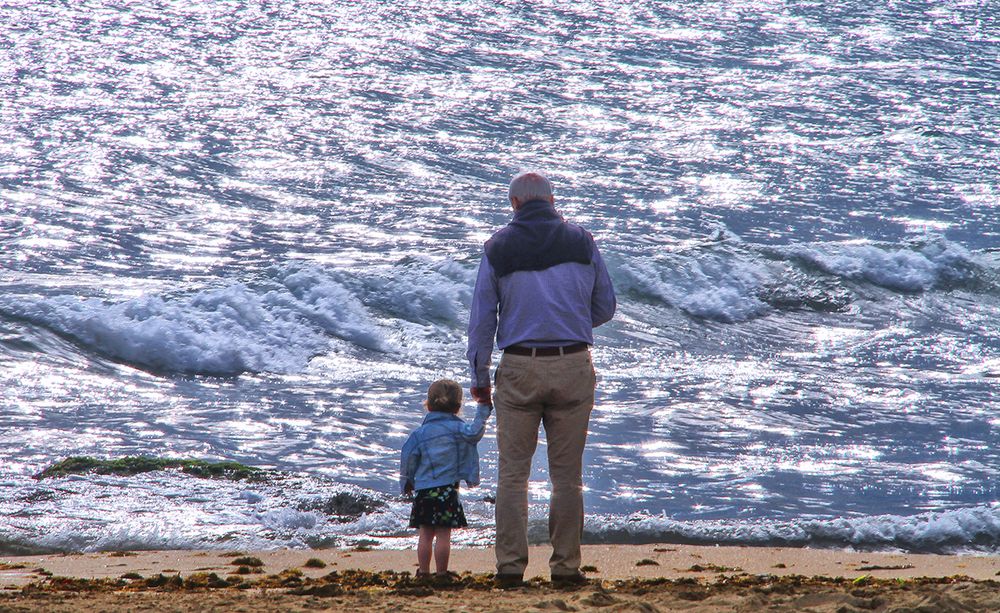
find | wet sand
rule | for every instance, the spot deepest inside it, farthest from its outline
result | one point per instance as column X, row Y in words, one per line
column 621, row 578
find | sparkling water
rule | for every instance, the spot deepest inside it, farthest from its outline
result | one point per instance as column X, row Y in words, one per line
column 248, row 231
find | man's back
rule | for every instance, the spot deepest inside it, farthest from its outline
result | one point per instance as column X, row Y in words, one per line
column 542, row 288
column 538, row 286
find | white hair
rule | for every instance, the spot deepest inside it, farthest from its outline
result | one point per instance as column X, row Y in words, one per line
column 528, row 186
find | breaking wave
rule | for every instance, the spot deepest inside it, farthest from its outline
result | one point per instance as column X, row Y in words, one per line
column 276, row 326
column 731, row 281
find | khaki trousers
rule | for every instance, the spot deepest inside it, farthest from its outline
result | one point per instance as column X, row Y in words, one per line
column 558, row 393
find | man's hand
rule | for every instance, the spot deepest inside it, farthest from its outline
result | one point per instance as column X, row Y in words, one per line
column 408, row 489
column 482, row 395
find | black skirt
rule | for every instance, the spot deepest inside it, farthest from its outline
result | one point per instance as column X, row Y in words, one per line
column 439, row 507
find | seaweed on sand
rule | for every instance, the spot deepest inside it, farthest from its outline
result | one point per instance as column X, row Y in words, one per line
column 868, row 594
column 248, row 561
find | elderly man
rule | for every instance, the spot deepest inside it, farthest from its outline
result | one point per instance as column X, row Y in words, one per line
column 542, row 288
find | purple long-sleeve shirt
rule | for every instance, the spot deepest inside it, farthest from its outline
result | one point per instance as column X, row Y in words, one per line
column 559, row 305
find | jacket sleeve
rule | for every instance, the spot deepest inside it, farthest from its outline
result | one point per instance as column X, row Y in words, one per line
column 473, row 432
column 483, row 324
column 602, row 302
column 408, row 463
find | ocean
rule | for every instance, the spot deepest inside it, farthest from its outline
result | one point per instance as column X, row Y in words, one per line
column 247, row 231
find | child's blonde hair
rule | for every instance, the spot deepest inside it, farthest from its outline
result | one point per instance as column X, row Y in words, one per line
column 444, row 396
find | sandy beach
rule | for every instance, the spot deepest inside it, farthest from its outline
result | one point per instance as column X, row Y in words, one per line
column 622, row 578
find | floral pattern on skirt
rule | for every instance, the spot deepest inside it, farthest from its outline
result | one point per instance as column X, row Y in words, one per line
column 438, row 506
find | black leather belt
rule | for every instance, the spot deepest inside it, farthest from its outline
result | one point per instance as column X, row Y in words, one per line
column 546, row 351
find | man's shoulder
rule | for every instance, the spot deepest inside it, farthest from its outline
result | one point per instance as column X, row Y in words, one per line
column 499, row 233
column 582, row 230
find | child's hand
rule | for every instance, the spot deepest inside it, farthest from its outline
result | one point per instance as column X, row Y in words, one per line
column 482, row 395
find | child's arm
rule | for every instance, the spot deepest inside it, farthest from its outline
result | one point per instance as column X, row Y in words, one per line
column 474, row 431
column 408, row 464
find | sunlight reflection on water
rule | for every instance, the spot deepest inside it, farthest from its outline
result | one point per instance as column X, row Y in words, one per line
column 205, row 149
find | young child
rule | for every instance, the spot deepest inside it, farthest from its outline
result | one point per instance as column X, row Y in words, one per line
column 436, row 456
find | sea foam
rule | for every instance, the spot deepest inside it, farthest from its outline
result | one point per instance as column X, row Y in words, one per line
column 960, row 530
column 286, row 512
column 936, row 264
column 221, row 331
column 710, row 285
column 275, row 325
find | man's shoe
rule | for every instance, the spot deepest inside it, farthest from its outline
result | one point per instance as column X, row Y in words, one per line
column 571, row 580
column 508, row 580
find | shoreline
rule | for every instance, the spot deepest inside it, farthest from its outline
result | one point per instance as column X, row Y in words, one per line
column 630, row 577
column 600, row 562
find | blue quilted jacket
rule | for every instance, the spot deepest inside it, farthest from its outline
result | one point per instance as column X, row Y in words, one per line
column 443, row 451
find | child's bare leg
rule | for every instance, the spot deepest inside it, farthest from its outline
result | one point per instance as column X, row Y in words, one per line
column 442, row 548
column 424, row 548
